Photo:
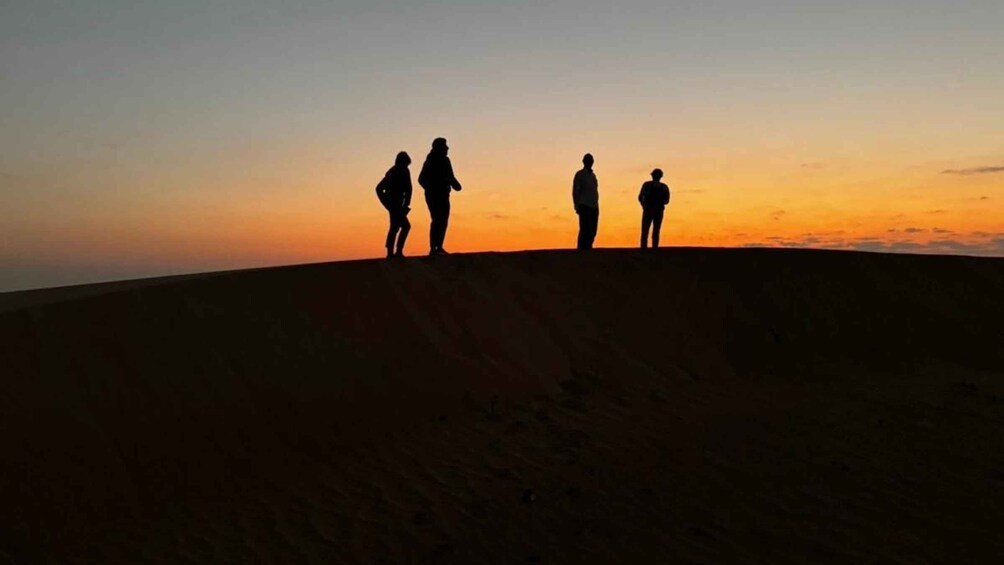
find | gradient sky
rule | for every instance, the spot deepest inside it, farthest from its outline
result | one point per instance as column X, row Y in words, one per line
column 140, row 138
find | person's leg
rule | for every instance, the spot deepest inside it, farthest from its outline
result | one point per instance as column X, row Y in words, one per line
column 580, row 242
column 445, row 223
column 434, row 220
column 646, row 221
column 656, row 227
column 436, row 240
column 592, row 216
column 403, row 235
column 594, row 228
column 391, row 232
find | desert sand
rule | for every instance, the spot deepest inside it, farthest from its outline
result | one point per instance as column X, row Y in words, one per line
column 679, row 405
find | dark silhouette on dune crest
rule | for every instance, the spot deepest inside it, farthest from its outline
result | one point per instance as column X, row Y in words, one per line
column 438, row 180
column 653, row 197
column 586, row 199
column 394, row 192
column 674, row 405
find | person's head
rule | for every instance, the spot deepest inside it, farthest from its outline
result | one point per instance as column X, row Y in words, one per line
column 587, row 160
column 402, row 160
column 439, row 146
column 656, row 174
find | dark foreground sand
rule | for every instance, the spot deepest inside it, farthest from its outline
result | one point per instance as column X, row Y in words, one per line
column 691, row 405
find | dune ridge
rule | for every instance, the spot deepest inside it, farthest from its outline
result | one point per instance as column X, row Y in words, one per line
column 693, row 404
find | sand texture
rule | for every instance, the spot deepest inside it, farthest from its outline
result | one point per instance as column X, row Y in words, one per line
column 683, row 405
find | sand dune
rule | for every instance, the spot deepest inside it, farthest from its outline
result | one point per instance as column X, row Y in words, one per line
column 693, row 405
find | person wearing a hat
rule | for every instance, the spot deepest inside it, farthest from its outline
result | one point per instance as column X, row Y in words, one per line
column 437, row 179
column 653, row 197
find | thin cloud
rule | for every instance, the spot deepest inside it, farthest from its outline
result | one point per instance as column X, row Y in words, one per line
column 888, row 246
column 992, row 247
column 974, row 243
column 973, row 171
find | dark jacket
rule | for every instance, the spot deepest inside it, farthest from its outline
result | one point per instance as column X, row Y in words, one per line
column 394, row 191
column 437, row 175
column 653, row 195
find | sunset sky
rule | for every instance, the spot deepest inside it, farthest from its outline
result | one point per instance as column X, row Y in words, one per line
column 141, row 138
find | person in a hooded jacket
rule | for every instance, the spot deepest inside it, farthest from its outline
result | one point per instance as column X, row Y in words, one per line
column 394, row 192
column 438, row 180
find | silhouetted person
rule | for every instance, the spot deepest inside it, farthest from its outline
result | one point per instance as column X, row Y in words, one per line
column 653, row 197
column 586, row 197
column 437, row 179
column 394, row 192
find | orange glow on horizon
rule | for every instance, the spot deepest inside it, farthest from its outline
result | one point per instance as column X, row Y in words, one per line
column 309, row 217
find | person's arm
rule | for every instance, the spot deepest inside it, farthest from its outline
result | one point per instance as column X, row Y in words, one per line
column 576, row 191
column 641, row 195
column 423, row 176
column 454, row 183
column 407, row 189
column 665, row 195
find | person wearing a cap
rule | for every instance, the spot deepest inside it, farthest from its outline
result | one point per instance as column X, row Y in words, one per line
column 653, row 197
column 438, row 180
column 586, row 198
